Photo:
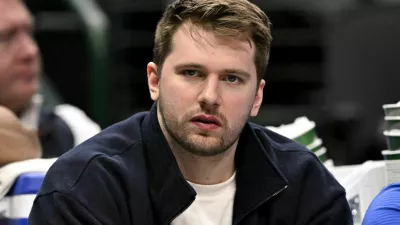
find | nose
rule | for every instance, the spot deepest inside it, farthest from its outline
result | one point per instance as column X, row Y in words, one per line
column 210, row 93
column 28, row 50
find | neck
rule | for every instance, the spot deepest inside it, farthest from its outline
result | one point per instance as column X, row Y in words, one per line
column 204, row 170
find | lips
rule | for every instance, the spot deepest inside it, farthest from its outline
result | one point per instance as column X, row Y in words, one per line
column 206, row 119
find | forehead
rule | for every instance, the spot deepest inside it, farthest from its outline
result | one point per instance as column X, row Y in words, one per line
column 13, row 13
column 197, row 45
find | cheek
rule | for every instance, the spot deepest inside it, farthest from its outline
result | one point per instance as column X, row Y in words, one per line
column 5, row 70
column 4, row 79
column 238, row 105
column 177, row 95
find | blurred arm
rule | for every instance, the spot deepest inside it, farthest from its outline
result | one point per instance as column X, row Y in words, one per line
column 16, row 142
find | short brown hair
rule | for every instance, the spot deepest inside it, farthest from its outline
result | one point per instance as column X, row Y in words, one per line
column 227, row 18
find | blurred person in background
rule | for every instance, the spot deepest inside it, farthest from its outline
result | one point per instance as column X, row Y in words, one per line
column 194, row 158
column 385, row 207
column 20, row 67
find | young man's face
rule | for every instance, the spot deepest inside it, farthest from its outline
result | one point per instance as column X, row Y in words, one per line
column 19, row 56
column 206, row 91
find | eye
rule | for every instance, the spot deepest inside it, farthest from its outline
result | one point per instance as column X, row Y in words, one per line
column 233, row 79
column 6, row 36
column 190, row 73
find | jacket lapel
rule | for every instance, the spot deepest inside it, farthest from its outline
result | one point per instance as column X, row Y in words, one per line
column 169, row 191
column 257, row 178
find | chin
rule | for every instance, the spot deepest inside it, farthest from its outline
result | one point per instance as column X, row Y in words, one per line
column 207, row 152
column 205, row 145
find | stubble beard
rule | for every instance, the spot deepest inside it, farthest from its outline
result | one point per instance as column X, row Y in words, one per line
column 195, row 141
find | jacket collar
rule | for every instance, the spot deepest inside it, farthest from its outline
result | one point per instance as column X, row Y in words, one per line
column 257, row 178
column 169, row 191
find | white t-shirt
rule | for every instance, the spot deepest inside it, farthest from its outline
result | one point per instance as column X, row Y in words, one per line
column 213, row 205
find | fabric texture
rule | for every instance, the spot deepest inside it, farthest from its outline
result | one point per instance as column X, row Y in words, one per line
column 127, row 174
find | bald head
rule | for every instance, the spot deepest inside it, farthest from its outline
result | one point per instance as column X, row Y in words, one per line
column 20, row 12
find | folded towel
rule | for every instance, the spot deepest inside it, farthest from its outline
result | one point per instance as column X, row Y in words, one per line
column 17, row 143
column 82, row 127
column 10, row 172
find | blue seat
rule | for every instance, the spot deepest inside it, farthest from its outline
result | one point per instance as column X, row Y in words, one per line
column 20, row 198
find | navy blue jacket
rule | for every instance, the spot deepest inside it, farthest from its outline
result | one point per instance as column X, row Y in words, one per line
column 128, row 175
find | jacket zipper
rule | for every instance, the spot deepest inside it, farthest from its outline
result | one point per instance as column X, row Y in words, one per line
column 276, row 193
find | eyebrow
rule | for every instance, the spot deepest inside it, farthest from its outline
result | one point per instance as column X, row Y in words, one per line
column 31, row 25
column 201, row 67
column 188, row 65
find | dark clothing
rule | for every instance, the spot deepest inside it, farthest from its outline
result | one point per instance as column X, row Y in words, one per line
column 55, row 136
column 128, row 175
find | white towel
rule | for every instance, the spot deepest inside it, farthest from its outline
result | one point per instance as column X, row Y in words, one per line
column 10, row 172
column 82, row 127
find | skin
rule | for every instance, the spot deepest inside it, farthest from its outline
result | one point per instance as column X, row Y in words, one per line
column 19, row 56
column 205, row 75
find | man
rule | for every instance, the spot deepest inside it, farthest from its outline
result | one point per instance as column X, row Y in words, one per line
column 194, row 158
column 20, row 66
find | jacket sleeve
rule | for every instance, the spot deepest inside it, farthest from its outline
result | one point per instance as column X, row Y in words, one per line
column 322, row 199
column 61, row 209
column 337, row 212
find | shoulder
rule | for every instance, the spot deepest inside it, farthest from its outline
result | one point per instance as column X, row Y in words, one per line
column 279, row 143
column 103, row 159
column 385, row 208
column 299, row 165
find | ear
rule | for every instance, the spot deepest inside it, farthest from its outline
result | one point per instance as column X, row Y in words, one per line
column 153, row 81
column 258, row 99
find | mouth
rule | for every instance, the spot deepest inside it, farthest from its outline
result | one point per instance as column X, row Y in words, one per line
column 206, row 121
column 26, row 75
